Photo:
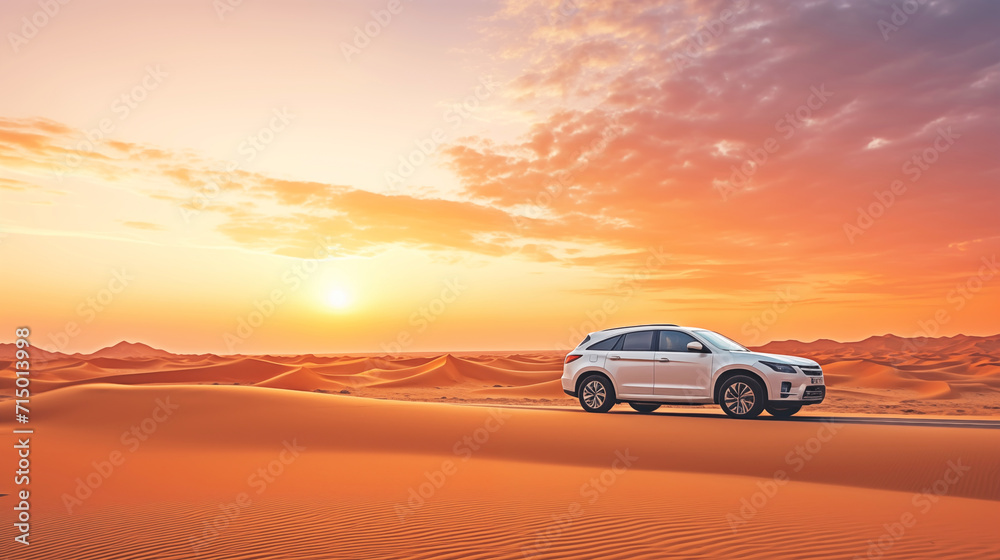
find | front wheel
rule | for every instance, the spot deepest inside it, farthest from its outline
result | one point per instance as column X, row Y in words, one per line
column 742, row 397
column 644, row 408
column 597, row 394
column 782, row 411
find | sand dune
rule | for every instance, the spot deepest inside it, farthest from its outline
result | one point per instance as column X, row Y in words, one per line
column 523, row 483
column 241, row 370
column 943, row 375
column 127, row 350
column 956, row 375
column 142, row 364
column 302, row 379
column 69, row 370
column 450, row 370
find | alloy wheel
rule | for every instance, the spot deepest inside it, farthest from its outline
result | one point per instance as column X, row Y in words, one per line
column 594, row 394
column 739, row 398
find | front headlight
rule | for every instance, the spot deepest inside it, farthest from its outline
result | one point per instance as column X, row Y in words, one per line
column 781, row 368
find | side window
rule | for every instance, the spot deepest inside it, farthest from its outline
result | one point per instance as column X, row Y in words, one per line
column 605, row 344
column 641, row 341
column 675, row 341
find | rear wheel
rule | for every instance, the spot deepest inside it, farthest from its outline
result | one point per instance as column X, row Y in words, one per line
column 643, row 408
column 597, row 394
column 741, row 396
column 782, row 411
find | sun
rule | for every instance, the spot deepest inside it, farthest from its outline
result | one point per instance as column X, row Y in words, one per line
column 337, row 298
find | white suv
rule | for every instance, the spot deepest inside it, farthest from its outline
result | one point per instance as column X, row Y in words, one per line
column 650, row 365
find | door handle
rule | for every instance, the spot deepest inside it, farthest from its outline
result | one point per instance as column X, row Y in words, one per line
column 664, row 359
column 614, row 357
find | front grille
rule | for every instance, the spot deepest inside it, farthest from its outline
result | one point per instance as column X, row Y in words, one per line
column 811, row 370
column 812, row 393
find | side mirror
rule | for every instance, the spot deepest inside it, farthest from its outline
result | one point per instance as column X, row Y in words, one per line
column 695, row 347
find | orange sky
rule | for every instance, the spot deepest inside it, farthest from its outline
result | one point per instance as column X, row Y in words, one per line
column 495, row 175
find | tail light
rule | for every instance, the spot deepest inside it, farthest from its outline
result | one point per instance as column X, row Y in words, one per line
column 572, row 357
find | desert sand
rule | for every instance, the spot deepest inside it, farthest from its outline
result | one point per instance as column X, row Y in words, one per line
column 138, row 453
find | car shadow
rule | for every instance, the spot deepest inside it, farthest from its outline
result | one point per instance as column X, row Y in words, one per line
column 871, row 420
column 717, row 414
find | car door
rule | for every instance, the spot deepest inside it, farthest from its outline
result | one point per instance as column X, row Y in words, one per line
column 631, row 363
column 678, row 372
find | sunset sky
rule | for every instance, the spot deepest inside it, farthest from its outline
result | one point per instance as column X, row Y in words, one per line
column 321, row 177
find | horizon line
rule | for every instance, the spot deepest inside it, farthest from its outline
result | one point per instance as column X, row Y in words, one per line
column 452, row 351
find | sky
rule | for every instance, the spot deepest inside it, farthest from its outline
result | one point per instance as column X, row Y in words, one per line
column 389, row 176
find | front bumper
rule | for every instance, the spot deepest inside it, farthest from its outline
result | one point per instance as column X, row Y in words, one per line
column 820, row 394
column 795, row 388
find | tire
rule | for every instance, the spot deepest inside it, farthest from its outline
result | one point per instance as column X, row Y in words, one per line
column 597, row 394
column 643, row 408
column 741, row 396
column 782, row 411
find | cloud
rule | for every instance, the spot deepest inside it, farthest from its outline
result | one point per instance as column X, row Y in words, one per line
column 270, row 214
column 13, row 184
column 649, row 91
column 147, row 226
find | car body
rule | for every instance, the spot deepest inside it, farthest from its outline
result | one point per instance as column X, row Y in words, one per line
column 649, row 365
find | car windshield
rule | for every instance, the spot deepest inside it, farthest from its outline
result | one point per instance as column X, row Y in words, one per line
column 721, row 342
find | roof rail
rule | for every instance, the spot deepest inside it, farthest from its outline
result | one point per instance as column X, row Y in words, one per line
column 635, row 326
